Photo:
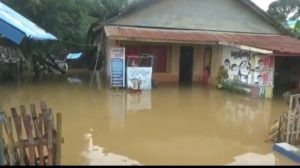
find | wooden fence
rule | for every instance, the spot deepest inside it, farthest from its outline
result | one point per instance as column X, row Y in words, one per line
column 36, row 139
column 293, row 123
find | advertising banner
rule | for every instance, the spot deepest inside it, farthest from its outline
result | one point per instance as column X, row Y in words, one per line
column 139, row 78
column 117, row 67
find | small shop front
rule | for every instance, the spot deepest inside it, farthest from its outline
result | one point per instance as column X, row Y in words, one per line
column 184, row 56
column 246, row 71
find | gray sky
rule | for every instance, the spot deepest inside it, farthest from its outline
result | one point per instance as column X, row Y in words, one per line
column 264, row 4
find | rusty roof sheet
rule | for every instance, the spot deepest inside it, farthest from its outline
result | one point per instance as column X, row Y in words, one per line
column 279, row 44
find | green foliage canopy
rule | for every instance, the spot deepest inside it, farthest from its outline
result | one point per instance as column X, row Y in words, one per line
column 69, row 20
column 284, row 10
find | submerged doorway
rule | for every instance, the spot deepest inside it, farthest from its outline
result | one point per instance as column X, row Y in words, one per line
column 207, row 58
column 186, row 65
column 287, row 74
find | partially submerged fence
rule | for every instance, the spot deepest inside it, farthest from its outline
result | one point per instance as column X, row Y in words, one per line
column 293, row 122
column 36, row 139
column 287, row 127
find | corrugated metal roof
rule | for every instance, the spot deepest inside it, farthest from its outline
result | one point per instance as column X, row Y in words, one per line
column 15, row 27
column 279, row 44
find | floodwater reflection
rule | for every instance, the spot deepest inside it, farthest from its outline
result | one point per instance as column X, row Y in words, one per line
column 167, row 126
column 140, row 101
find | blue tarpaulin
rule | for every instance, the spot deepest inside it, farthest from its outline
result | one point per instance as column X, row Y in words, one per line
column 15, row 27
column 73, row 56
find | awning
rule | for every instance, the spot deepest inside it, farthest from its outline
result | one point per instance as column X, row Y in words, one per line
column 267, row 44
column 15, row 27
column 72, row 56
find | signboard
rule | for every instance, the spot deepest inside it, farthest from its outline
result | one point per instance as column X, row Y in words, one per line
column 117, row 67
column 263, row 71
column 139, row 78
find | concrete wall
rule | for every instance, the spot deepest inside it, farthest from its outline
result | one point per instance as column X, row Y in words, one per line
column 214, row 15
column 198, row 66
column 174, row 59
column 172, row 74
column 217, row 56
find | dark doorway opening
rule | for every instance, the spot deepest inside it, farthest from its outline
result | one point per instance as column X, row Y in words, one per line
column 207, row 65
column 186, row 65
column 287, row 74
column 207, row 58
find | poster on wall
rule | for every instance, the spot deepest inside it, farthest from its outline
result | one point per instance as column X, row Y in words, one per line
column 238, row 64
column 263, row 63
column 263, row 71
column 262, row 78
column 117, row 60
column 139, row 78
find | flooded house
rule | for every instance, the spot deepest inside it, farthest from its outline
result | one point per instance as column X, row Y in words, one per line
column 191, row 40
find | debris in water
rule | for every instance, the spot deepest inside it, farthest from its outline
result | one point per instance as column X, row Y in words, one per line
column 94, row 155
column 254, row 159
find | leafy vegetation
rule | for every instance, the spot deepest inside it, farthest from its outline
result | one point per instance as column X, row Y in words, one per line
column 69, row 20
column 284, row 10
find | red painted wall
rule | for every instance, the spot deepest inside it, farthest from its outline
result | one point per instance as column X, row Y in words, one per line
column 160, row 52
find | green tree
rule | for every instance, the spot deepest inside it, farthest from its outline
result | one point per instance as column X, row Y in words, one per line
column 296, row 29
column 282, row 10
column 69, row 20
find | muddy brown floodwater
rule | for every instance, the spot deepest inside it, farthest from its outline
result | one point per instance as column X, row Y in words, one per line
column 170, row 125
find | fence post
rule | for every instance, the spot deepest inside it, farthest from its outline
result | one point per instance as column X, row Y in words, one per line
column 15, row 153
column 58, row 139
column 1, row 139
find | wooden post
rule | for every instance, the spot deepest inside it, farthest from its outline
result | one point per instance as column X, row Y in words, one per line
column 17, row 120
column 50, row 138
column 30, row 142
column 10, row 142
column 11, row 153
column 37, row 133
column 97, row 59
column 1, row 140
column 5, row 150
column 28, row 128
column 58, row 139
column 44, row 110
column 41, row 142
column 289, row 120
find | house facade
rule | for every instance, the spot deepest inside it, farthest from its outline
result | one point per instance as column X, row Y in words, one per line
column 192, row 39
